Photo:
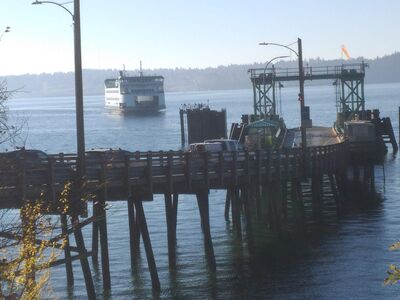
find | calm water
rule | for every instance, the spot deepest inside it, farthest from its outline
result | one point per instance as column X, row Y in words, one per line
column 348, row 261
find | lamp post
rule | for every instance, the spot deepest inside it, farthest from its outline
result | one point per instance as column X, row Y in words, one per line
column 299, row 54
column 4, row 32
column 80, row 132
column 265, row 75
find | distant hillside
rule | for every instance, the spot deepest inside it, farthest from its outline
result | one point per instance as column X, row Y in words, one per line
column 382, row 69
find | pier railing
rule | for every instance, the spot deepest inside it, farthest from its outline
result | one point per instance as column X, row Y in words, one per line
column 123, row 172
column 310, row 73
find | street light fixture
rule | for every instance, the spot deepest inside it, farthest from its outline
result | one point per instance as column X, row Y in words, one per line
column 299, row 54
column 270, row 61
column 80, row 132
column 265, row 72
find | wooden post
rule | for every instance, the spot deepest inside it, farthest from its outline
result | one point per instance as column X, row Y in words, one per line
column 335, row 194
column 80, row 243
column 205, row 169
column 202, row 202
column 270, row 196
column 188, row 170
column 175, row 199
column 105, row 264
column 234, row 168
column 67, row 252
column 276, row 206
column 127, row 175
column 236, row 206
column 284, row 206
column 182, row 128
column 169, row 172
column 147, row 245
column 316, row 186
column 149, row 172
column 373, row 189
column 258, row 166
column 258, row 196
column 50, row 180
column 247, row 213
column 134, row 233
column 227, row 203
column 316, row 196
column 95, row 233
column 171, row 230
column 221, row 170
column 297, row 202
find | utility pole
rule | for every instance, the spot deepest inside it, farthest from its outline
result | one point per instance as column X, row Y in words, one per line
column 80, row 131
column 301, row 94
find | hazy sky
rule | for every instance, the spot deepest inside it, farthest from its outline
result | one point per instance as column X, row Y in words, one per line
column 201, row 33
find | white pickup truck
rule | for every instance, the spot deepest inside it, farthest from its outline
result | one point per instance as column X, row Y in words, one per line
column 215, row 145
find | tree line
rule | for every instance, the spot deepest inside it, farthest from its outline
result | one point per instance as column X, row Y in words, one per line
column 381, row 70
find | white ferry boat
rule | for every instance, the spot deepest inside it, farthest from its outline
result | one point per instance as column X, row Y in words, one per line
column 136, row 94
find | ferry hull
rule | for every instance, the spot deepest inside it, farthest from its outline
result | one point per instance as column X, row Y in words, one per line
column 136, row 110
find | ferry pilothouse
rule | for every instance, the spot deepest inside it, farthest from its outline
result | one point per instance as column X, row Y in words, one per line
column 136, row 94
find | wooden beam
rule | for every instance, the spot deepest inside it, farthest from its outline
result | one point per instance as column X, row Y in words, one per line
column 80, row 243
column 202, row 202
column 134, row 233
column 147, row 245
column 171, row 230
column 67, row 253
column 95, row 233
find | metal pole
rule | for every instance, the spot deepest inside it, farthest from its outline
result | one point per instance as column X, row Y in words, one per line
column 301, row 95
column 80, row 133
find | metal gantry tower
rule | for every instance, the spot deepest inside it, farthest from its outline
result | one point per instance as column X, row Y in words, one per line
column 351, row 91
column 264, row 90
column 349, row 80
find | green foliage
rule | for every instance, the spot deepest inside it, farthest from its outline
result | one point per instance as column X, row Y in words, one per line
column 393, row 271
column 25, row 262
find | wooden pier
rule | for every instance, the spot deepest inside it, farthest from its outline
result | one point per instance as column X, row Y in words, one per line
column 267, row 184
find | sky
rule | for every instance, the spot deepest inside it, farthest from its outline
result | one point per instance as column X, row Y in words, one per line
column 195, row 34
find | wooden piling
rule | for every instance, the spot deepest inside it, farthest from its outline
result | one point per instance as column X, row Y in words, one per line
column 175, row 200
column 236, row 206
column 284, row 204
column 147, row 245
column 298, row 206
column 95, row 233
column 80, row 243
column 247, row 212
column 181, row 117
column 316, row 187
column 258, row 197
column 171, row 229
column 202, row 202
column 335, row 194
column 67, row 251
column 105, row 264
column 277, row 210
column 102, row 223
column 227, row 204
column 134, row 232
column 373, row 189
